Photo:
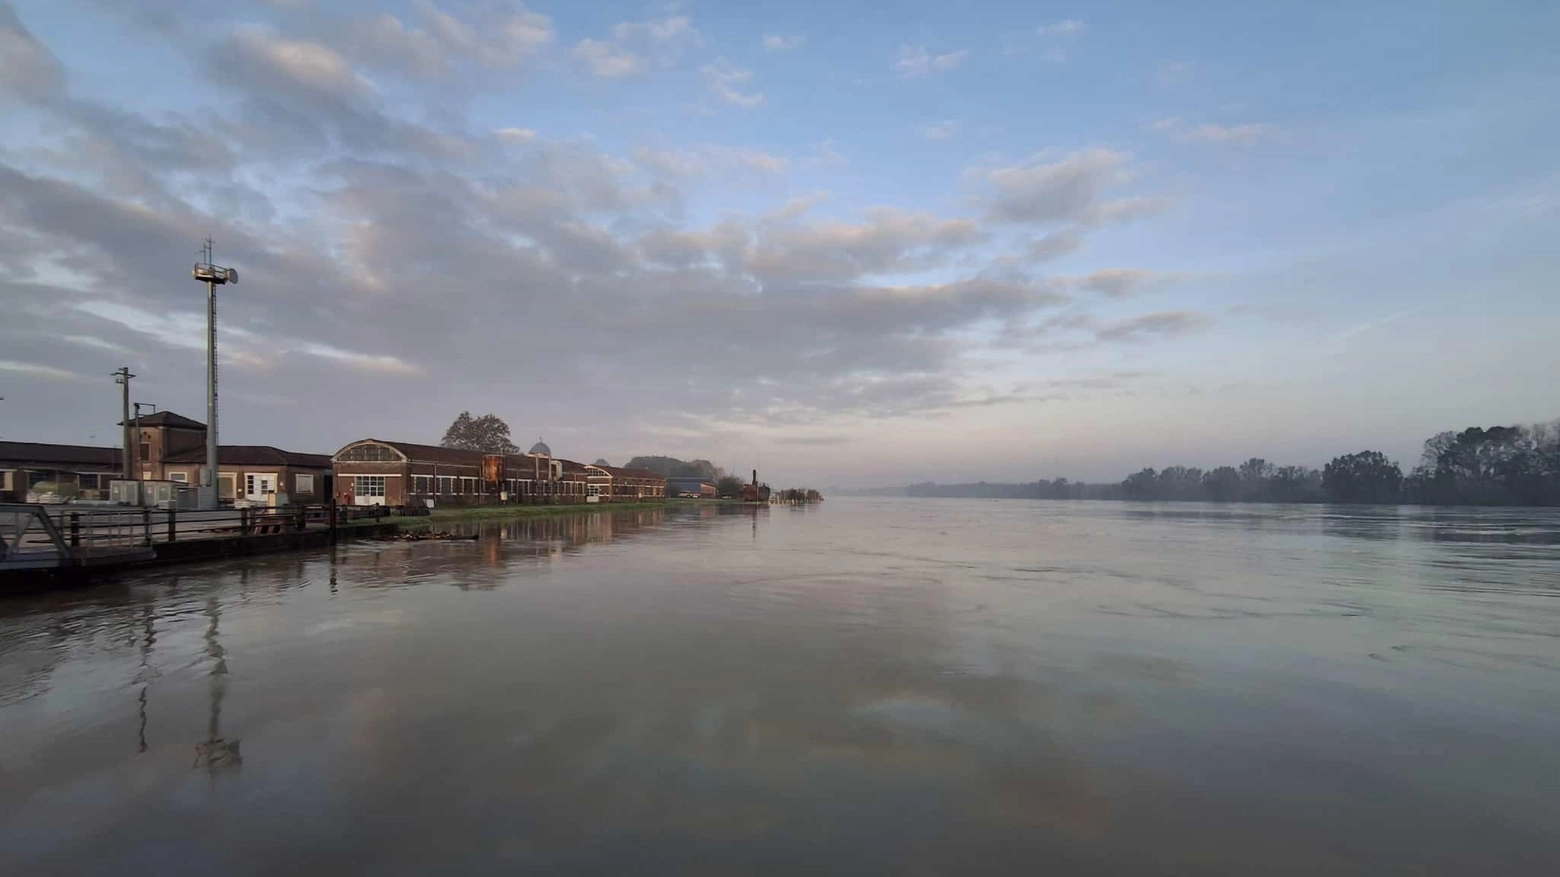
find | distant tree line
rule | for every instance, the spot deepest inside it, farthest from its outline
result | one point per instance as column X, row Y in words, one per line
column 671, row 467
column 1501, row 465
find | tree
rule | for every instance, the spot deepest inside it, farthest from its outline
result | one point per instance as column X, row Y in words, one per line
column 1140, row 485
column 1223, row 484
column 1364, row 477
column 487, row 433
column 728, row 485
column 601, row 461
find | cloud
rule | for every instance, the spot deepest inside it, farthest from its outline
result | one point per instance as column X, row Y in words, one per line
column 915, row 62
column 1065, row 27
column 391, row 254
column 1115, row 282
column 781, row 43
column 1071, row 189
column 691, row 163
column 1055, row 245
column 32, row 369
column 1241, row 133
column 1172, row 73
column 293, row 63
column 606, row 60
column 943, row 130
column 27, row 67
column 516, row 136
column 727, row 81
column 1162, row 324
column 635, row 46
column 890, row 240
column 373, row 363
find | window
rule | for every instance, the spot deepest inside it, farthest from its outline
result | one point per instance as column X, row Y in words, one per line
column 421, row 484
column 225, row 485
column 179, row 476
column 369, row 453
column 469, row 485
column 446, row 485
column 303, row 484
column 37, row 477
column 370, row 485
column 87, row 480
column 146, row 451
column 249, row 485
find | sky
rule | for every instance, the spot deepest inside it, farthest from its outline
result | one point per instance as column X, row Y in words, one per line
column 850, row 244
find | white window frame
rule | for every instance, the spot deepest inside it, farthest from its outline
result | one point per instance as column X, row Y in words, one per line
column 303, row 482
column 182, row 477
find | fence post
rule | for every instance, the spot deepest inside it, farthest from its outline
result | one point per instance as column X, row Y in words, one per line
column 75, row 530
column 146, row 525
column 172, row 528
column 333, row 519
column 243, row 522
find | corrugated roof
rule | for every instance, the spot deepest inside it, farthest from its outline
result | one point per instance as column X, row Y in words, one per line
column 252, row 455
column 21, row 453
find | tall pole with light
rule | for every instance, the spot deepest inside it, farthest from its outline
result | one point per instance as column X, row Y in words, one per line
column 213, row 276
column 122, row 378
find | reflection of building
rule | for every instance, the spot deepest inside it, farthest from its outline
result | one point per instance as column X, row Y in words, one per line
column 699, row 487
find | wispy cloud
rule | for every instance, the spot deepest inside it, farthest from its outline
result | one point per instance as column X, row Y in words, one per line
column 1246, row 132
column 36, row 370
column 731, row 84
column 917, row 61
column 782, row 43
column 363, row 362
column 516, row 135
column 1062, row 28
column 943, row 130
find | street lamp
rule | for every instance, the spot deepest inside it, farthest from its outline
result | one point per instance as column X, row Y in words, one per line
column 213, row 276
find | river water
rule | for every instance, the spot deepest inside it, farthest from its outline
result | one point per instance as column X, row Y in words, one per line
column 863, row 687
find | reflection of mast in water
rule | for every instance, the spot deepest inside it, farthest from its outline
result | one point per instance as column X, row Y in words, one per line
column 216, row 752
column 148, row 638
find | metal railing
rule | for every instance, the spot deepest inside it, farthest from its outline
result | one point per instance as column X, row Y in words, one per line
column 39, row 536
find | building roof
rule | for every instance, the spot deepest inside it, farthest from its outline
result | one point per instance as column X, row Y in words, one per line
column 572, row 467
column 431, row 453
column 169, row 419
column 252, row 455
column 541, row 448
column 435, row 454
column 618, row 472
column 22, row 453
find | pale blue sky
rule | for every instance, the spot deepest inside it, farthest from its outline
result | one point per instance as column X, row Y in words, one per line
column 873, row 244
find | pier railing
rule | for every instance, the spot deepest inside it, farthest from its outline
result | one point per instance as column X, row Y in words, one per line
column 41, row 536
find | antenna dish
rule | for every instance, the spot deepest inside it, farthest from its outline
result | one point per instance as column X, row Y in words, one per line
column 232, row 275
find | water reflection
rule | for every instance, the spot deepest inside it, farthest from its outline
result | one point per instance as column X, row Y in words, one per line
column 879, row 687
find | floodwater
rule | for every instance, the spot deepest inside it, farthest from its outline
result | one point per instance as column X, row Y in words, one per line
column 864, row 687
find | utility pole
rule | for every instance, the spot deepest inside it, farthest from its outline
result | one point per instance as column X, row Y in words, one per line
column 122, row 378
column 213, row 276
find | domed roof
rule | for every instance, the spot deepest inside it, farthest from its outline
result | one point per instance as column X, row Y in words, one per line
column 541, row 448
